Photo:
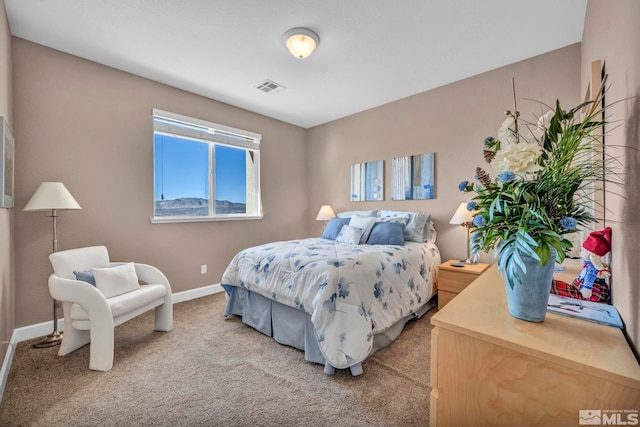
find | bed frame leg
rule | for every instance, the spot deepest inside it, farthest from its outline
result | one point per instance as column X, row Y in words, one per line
column 328, row 369
column 356, row 369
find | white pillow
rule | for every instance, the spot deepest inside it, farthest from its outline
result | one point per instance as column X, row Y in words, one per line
column 113, row 281
column 399, row 219
column 349, row 235
column 349, row 214
column 365, row 223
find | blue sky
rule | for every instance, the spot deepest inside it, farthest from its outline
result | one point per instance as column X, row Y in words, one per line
column 181, row 170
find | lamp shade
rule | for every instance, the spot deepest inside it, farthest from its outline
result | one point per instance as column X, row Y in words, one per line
column 462, row 216
column 301, row 42
column 325, row 213
column 51, row 195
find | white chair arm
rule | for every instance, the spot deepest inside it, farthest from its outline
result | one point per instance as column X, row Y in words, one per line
column 82, row 293
column 150, row 274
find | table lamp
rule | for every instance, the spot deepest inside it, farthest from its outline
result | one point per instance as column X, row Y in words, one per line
column 464, row 217
column 325, row 213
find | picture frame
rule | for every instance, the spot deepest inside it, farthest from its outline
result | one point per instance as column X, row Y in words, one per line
column 367, row 181
column 7, row 165
column 413, row 177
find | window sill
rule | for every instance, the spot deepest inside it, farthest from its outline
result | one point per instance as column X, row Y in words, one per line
column 166, row 220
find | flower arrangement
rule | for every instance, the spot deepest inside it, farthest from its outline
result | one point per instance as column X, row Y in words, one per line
column 540, row 192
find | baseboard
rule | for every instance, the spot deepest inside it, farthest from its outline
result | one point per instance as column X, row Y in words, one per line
column 197, row 293
column 6, row 364
column 41, row 329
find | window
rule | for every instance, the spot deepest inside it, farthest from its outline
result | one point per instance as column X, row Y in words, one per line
column 197, row 162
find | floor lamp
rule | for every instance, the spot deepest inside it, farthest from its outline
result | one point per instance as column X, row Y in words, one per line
column 52, row 196
column 464, row 217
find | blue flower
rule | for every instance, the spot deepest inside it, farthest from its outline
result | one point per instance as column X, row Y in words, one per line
column 343, row 288
column 479, row 220
column 463, row 185
column 378, row 291
column 471, row 206
column 488, row 140
column 330, row 304
column 507, row 176
column 568, row 223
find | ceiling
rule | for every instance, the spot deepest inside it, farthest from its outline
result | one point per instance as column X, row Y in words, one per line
column 371, row 52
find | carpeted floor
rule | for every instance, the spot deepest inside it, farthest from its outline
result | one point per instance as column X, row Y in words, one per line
column 212, row 371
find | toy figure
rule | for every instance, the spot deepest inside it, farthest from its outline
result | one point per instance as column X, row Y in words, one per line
column 594, row 269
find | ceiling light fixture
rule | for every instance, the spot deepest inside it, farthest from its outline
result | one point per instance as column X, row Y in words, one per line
column 301, row 42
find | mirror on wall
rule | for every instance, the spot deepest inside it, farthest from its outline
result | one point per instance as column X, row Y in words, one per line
column 367, row 181
column 6, row 165
column 412, row 177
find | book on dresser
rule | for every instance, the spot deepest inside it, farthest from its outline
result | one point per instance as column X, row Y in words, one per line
column 586, row 310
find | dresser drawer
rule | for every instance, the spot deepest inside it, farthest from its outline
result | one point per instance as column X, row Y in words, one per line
column 454, row 281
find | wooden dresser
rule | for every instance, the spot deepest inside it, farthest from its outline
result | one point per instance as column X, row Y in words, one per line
column 491, row 369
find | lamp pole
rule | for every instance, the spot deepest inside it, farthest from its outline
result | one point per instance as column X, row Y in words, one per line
column 55, row 337
column 468, row 226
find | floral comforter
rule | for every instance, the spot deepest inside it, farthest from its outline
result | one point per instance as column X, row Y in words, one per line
column 351, row 291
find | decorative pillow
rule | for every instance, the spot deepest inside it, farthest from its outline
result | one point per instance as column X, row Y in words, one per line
column 85, row 276
column 426, row 231
column 365, row 223
column 399, row 219
column 432, row 232
column 113, row 281
column 349, row 214
column 414, row 231
column 349, row 235
column 333, row 228
column 387, row 233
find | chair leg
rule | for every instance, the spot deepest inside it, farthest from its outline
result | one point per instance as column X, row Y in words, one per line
column 72, row 339
column 101, row 350
column 164, row 317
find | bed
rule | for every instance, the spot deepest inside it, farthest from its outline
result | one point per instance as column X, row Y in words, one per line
column 337, row 298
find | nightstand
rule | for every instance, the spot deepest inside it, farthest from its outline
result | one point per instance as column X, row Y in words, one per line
column 452, row 280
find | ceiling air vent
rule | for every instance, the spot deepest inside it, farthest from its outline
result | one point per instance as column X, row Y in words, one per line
column 269, row 86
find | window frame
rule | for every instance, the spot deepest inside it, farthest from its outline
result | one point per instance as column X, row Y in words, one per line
column 184, row 127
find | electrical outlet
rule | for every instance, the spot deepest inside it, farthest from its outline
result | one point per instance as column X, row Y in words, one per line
column 203, row 269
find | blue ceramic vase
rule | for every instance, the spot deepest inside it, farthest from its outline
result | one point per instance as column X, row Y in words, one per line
column 528, row 300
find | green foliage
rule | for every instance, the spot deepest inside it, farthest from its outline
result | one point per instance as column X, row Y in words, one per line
column 525, row 213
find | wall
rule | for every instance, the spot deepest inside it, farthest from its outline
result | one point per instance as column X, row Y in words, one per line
column 89, row 126
column 452, row 121
column 7, row 283
column 612, row 35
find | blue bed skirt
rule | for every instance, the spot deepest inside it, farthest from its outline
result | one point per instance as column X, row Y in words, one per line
column 292, row 327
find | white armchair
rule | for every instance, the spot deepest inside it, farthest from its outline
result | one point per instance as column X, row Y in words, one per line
column 92, row 311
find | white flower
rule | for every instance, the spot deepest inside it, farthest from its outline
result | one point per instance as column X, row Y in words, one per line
column 545, row 120
column 518, row 158
column 507, row 131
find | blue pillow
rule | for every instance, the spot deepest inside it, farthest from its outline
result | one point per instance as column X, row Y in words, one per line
column 414, row 231
column 387, row 233
column 333, row 228
column 85, row 276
